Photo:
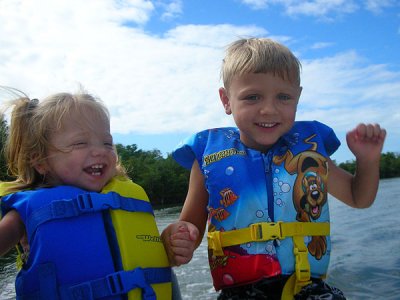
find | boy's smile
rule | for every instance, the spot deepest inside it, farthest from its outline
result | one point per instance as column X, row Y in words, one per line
column 263, row 107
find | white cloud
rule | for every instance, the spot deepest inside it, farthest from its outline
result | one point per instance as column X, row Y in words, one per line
column 150, row 84
column 344, row 89
column 170, row 83
column 317, row 8
column 320, row 8
column 212, row 35
column 172, row 10
column 377, row 6
column 321, row 45
column 256, row 4
column 323, row 9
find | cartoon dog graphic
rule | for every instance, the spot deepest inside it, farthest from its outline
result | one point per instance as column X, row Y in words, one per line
column 310, row 188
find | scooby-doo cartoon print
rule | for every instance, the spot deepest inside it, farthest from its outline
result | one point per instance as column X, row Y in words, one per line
column 310, row 188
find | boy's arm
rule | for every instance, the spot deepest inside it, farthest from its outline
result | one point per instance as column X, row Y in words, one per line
column 195, row 207
column 186, row 235
column 11, row 231
column 359, row 190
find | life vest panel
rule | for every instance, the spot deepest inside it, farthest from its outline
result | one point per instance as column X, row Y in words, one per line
column 89, row 245
column 287, row 184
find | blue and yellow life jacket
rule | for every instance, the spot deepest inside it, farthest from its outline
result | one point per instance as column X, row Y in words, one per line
column 86, row 245
column 268, row 212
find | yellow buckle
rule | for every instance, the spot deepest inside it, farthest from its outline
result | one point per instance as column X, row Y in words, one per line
column 265, row 231
column 301, row 254
column 214, row 243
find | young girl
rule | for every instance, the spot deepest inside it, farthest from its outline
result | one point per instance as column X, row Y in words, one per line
column 78, row 243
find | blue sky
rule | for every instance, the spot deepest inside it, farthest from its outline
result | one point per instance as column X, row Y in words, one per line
column 155, row 64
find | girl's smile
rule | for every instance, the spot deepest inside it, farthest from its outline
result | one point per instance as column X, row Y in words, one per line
column 83, row 154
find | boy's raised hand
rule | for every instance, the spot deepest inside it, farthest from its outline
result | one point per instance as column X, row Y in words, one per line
column 180, row 242
column 366, row 141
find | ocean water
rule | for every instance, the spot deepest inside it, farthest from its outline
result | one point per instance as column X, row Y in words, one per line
column 365, row 259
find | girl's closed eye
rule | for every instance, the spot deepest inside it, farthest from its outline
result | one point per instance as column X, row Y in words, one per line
column 109, row 144
column 79, row 144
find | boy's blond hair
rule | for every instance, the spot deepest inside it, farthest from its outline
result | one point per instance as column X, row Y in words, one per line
column 31, row 126
column 259, row 55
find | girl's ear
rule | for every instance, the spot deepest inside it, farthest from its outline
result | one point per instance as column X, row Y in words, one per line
column 223, row 95
column 39, row 165
column 41, row 168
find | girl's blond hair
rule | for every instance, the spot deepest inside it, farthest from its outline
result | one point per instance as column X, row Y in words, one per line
column 259, row 55
column 31, row 125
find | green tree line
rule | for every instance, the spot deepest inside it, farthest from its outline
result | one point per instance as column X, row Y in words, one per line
column 166, row 182
column 162, row 178
column 389, row 165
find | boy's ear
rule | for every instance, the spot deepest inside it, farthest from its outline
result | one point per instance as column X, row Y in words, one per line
column 223, row 95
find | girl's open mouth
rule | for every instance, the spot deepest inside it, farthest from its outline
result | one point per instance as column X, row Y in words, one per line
column 95, row 170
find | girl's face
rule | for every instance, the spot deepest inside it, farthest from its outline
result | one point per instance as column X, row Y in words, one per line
column 263, row 107
column 83, row 155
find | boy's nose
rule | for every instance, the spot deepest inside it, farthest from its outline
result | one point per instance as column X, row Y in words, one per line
column 267, row 106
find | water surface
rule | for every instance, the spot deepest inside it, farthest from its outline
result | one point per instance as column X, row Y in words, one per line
column 365, row 259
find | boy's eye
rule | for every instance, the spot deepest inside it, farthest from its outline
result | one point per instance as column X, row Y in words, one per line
column 284, row 97
column 252, row 97
column 108, row 144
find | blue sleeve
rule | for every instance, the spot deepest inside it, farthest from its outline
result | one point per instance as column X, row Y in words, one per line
column 329, row 138
column 191, row 149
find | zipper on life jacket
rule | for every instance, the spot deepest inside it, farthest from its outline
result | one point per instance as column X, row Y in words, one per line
column 268, row 181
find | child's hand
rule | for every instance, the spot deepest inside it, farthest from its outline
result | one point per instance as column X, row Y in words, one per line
column 366, row 141
column 180, row 241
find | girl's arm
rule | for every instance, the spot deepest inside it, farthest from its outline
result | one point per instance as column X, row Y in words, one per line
column 359, row 190
column 11, row 231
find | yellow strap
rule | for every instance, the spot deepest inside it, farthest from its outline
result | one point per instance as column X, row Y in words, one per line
column 302, row 265
column 275, row 230
column 302, row 274
column 4, row 186
column 292, row 287
column 263, row 232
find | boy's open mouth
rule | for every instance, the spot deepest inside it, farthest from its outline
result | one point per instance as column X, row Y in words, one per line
column 266, row 125
column 95, row 170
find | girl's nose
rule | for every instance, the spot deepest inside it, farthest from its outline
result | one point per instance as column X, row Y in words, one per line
column 97, row 149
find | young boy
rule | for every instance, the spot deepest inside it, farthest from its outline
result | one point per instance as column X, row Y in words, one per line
column 262, row 187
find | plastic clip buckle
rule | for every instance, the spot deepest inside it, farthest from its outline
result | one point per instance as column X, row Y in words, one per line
column 97, row 202
column 214, row 243
column 115, row 283
column 265, row 231
column 84, row 203
column 302, row 265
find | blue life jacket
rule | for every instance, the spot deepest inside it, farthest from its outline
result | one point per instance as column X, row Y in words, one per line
column 86, row 245
column 257, row 195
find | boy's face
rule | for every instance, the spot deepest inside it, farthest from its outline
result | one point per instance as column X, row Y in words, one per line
column 86, row 157
column 263, row 107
